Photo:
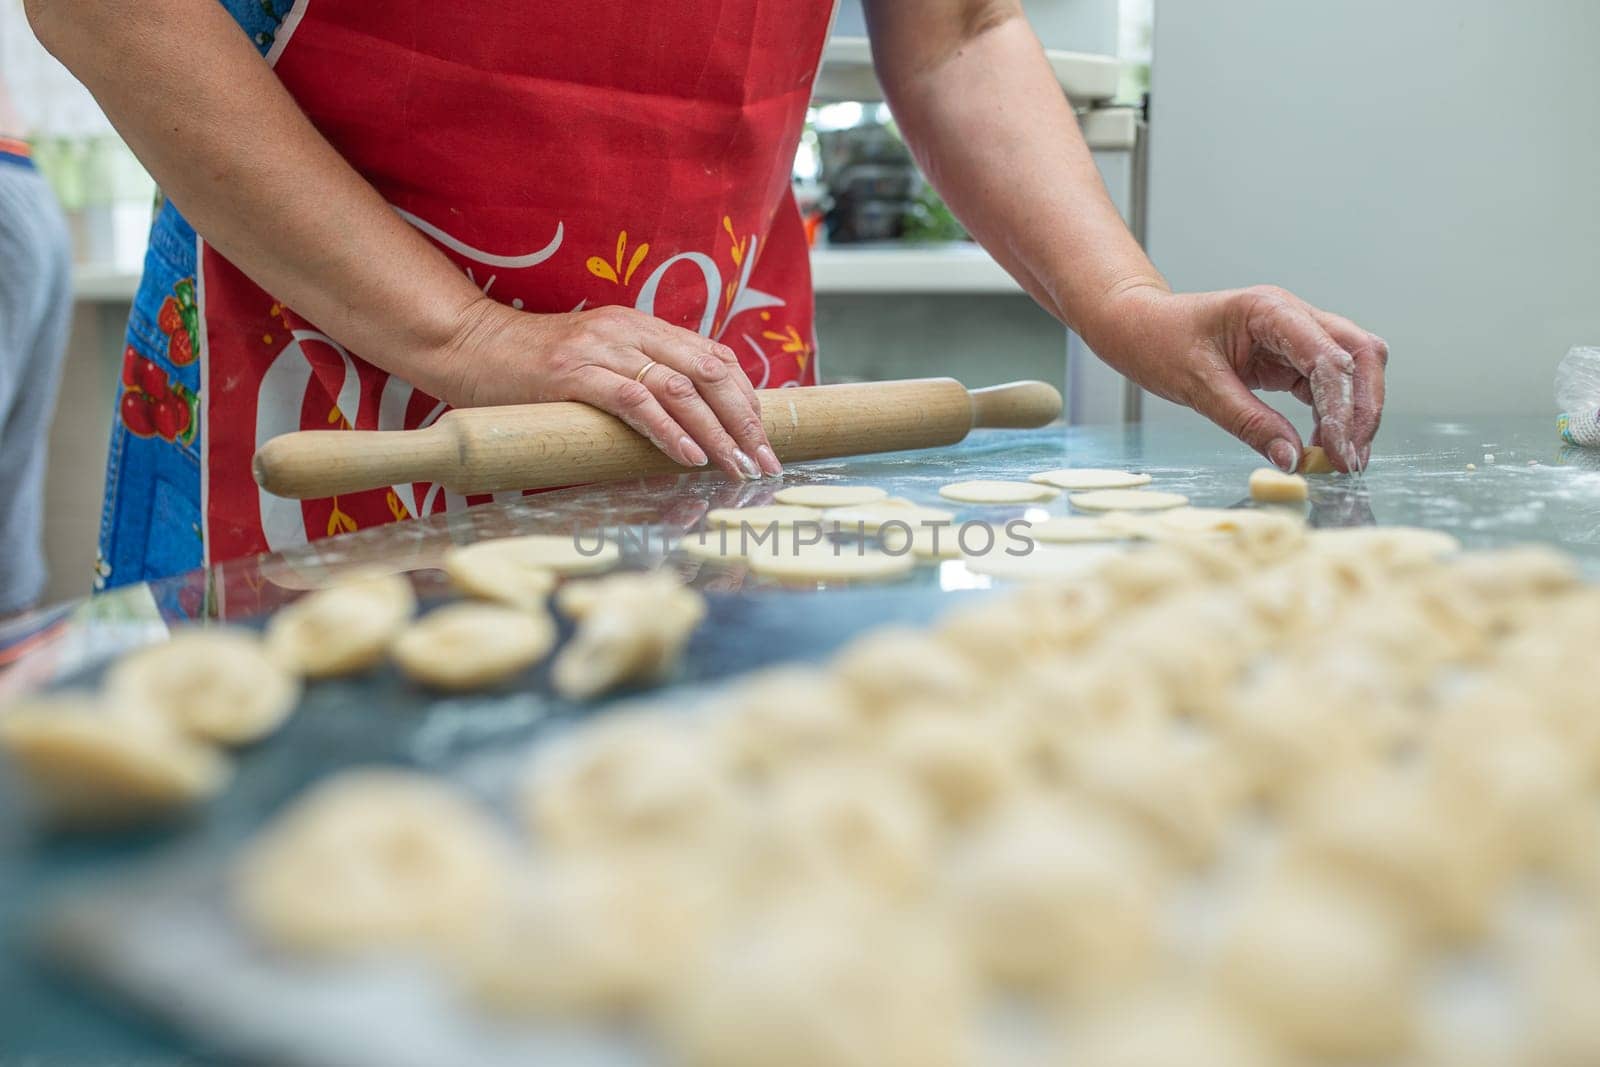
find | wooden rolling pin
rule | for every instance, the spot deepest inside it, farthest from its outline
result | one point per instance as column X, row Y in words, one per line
column 534, row 446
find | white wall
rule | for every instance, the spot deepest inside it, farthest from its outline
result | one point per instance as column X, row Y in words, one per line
column 1076, row 25
column 1430, row 168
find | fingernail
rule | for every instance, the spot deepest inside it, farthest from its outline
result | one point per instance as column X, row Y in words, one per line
column 746, row 465
column 693, row 452
column 1284, row 455
column 769, row 462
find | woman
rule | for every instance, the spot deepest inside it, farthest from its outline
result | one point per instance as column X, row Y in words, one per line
column 487, row 203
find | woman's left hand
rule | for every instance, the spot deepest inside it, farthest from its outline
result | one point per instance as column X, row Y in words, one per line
column 1210, row 350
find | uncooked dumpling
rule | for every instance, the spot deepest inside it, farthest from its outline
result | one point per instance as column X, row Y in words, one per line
column 829, row 496
column 997, row 492
column 342, row 629
column 373, row 858
column 1079, row 479
column 219, row 685
column 471, row 646
column 508, row 571
column 632, row 629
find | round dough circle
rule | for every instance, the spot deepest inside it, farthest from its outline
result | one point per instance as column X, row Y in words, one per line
column 1043, row 563
column 985, row 491
column 500, row 571
column 1127, row 500
column 872, row 517
column 468, row 646
column 761, row 516
column 925, row 543
column 1220, row 521
column 341, row 629
column 827, row 562
column 1084, row 478
column 1076, row 529
column 559, row 553
column 215, row 684
column 829, row 496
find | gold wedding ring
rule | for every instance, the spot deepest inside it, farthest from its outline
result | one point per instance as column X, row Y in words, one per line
column 648, row 363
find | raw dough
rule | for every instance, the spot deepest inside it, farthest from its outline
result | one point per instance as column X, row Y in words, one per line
column 508, row 571
column 372, row 858
column 829, row 496
column 963, row 764
column 1314, row 460
column 828, row 562
column 218, row 684
column 470, row 646
column 925, row 543
column 1268, row 485
column 1083, row 478
column 1076, row 529
column 787, row 716
column 632, row 628
column 1044, row 563
column 342, row 629
column 1386, row 544
column 90, row 767
column 761, row 516
column 560, row 553
column 1127, row 500
column 1220, row 521
column 870, row 518
column 718, row 543
column 996, row 492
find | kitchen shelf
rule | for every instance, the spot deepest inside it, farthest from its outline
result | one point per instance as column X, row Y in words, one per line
column 954, row 268
column 847, row 74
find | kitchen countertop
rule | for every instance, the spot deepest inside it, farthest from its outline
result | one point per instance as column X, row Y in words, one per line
column 1534, row 489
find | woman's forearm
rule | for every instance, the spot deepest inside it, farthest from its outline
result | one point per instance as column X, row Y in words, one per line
column 982, row 111
column 229, row 146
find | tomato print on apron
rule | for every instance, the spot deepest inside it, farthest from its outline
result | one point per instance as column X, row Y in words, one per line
column 564, row 156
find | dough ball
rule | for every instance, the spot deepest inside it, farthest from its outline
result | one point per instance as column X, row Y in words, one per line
column 219, row 685
column 1268, row 485
column 504, row 571
column 372, row 858
column 785, row 716
column 1171, row 1030
column 1127, row 500
column 1393, row 831
column 342, row 629
column 513, row 565
column 472, row 646
column 1085, row 478
column 1330, row 974
column 1045, row 898
column 1314, row 460
column 849, row 825
column 591, row 936
column 632, row 629
column 825, row 562
column 997, row 492
column 816, row 985
column 88, row 767
column 894, row 669
column 829, row 496
column 962, row 764
column 633, row 779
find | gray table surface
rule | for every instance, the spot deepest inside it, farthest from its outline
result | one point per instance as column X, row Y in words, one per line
column 1533, row 489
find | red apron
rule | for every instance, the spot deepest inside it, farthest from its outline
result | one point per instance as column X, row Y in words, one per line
column 564, row 155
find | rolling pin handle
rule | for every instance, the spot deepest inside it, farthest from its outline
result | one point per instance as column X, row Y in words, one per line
column 1015, row 405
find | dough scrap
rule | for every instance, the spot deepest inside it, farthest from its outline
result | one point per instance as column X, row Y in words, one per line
column 471, row 646
column 342, row 629
column 1079, row 479
column 828, row 562
column 1076, row 529
column 829, row 496
column 1127, row 500
column 503, row 571
column 217, row 684
column 372, row 858
column 90, row 767
column 632, row 628
column 1314, row 460
column 1269, row 485
column 985, row 491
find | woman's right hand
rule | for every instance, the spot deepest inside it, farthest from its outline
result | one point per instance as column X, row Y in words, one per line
column 685, row 393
